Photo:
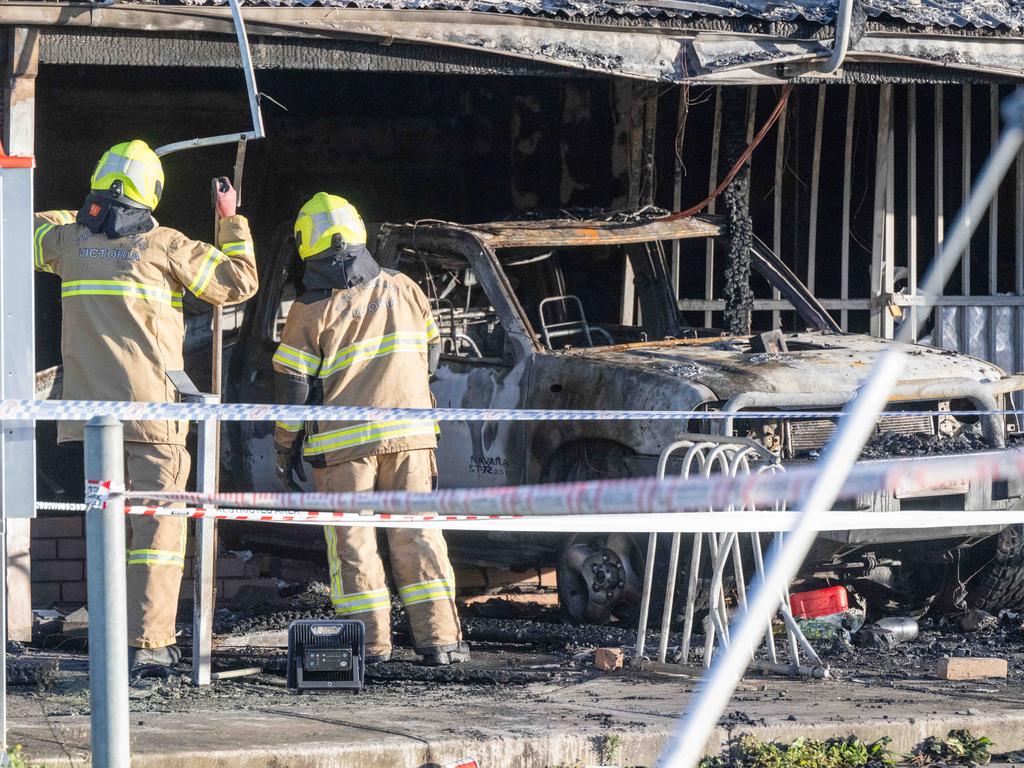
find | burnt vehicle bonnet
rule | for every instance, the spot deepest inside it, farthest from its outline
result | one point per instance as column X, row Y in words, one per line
column 820, row 362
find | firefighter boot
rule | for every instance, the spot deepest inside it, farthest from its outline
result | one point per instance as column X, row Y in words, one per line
column 443, row 655
column 152, row 662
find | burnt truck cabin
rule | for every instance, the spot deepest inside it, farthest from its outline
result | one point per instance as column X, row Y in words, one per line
column 530, row 318
column 472, row 112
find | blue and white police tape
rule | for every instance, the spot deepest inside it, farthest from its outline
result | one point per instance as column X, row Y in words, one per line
column 83, row 410
column 760, row 490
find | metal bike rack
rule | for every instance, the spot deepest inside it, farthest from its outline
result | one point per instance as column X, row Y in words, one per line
column 702, row 456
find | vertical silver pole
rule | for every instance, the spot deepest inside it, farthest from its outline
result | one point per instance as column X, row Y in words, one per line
column 1018, row 256
column 812, row 227
column 878, row 244
column 709, row 255
column 107, row 594
column 645, row 600
column 844, row 258
column 993, row 211
column 677, row 178
column 206, row 550
column 780, row 174
column 965, row 195
column 912, row 198
column 670, row 593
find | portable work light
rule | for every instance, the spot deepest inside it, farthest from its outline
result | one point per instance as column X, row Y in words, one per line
column 326, row 654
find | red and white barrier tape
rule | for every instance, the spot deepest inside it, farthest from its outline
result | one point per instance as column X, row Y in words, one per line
column 743, row 521
column 637, row 495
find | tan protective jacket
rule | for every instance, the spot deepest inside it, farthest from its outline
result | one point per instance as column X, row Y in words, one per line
column 123, row 325
column 367, row 346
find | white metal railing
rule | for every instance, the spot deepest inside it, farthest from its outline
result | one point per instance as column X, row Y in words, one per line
column 703, row 456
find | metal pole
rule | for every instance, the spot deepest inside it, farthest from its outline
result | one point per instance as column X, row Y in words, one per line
column 107, row 593
column 205, row 559
column 688, row 743
column 645, row 600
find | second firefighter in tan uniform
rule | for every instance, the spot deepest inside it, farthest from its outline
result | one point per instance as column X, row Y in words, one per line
column 122, row 279
column 365, row 336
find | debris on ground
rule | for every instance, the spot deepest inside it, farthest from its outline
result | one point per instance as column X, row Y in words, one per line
column 959, row 668
column 834, row 627
column 57, row 630
column 609, row 659
column 889, row 444
column 34, row 673
column 888, row 632
column 977, row 620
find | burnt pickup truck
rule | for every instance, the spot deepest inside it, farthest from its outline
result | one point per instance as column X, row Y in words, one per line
column 562, row 314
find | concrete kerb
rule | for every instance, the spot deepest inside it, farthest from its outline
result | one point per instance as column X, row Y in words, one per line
column 573, row 747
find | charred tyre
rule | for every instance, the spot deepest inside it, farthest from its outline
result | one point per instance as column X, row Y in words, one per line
column 996, row 577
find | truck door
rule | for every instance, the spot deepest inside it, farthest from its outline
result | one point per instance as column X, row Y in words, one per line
column 484, row 364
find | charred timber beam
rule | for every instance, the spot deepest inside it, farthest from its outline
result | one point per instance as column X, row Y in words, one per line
column 662, row 53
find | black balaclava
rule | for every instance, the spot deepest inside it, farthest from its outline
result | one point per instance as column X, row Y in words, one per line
column 103, row 214
column 341, row 266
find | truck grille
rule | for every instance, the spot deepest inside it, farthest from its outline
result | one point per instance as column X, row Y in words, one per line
column 811, row 434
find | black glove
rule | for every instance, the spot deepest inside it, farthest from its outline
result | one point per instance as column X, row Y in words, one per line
column 289, row 460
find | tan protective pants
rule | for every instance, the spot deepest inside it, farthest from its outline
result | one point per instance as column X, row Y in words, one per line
column 419, row 557
column 156, row 552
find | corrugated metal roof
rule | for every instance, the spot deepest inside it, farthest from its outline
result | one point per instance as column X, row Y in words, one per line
column 982, row 14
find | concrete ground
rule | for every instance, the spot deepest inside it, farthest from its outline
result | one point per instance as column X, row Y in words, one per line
column 578, row 717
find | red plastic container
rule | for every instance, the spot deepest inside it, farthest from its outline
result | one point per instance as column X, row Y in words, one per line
column 819, row 602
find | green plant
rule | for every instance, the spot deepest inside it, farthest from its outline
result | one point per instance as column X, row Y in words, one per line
column 958, row 748
column 851, row 752
column 15, row 758
column 610, row 748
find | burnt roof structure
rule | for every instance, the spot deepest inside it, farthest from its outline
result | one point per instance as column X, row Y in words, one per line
column 698, row 41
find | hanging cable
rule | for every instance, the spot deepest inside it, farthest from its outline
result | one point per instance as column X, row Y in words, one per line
column 744, row 157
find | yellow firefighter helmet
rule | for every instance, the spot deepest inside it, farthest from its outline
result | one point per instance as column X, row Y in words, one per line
column 323, row 217
column 133, row 167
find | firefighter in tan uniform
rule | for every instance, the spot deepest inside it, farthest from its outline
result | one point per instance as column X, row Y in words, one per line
column 365, row 336
column 122, row 279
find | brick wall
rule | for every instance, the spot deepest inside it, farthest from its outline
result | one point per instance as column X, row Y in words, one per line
column 58, row 566
column 58, row 561
column 58, row 569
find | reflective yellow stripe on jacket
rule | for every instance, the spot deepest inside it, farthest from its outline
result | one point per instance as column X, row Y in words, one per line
column 240, row 248
column 41, row 231
column 426, row 591
column 380, row 346
column 295, row 359
column 368, row 432
column 205, row 274
column 72, row 288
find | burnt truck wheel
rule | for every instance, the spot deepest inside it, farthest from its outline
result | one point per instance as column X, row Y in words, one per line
column 600, row 578
column 600, row 575
column 999, row 579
